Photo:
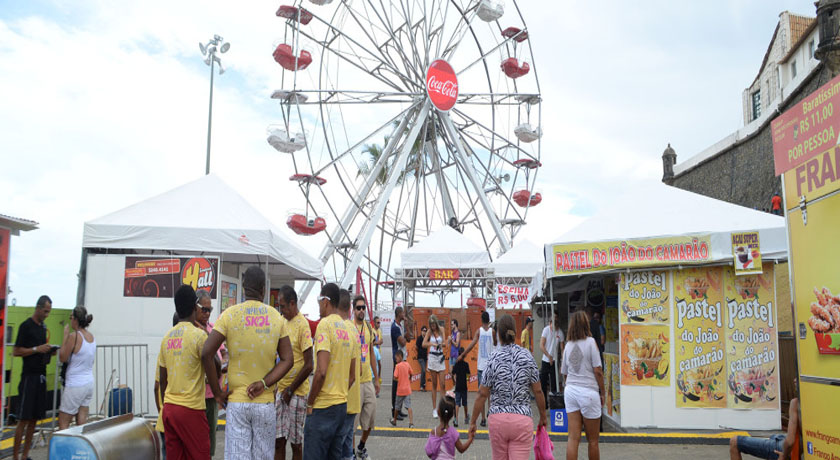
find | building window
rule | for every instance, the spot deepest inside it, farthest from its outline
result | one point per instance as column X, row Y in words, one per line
column 793, row 69
column 756, row 104
column 811, row 48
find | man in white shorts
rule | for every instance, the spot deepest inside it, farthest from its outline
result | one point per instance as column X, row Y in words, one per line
column 254, row 332
column 292, row 390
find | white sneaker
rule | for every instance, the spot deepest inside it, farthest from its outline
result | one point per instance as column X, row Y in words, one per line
column 434, row 413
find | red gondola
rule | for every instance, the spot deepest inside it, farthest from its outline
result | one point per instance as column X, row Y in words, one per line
column 514, row 32
column 303, row 226
column 285, row 56
column 512, row 68
column 477, row 302
column 291, row 12
column 308, row 179
column 525, row 199
column 527, row 163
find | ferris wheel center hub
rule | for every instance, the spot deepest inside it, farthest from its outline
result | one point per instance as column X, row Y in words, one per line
column 442, row 85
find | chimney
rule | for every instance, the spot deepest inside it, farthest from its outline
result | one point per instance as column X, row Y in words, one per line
column 669, row 159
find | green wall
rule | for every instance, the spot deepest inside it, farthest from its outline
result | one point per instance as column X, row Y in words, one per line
column 55, row 332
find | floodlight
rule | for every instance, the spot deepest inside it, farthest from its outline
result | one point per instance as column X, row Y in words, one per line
column 221, row 69
column 225, row 47
column 207, row 61
column 202, row 48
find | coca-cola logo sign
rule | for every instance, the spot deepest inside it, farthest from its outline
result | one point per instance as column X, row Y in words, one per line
column 442, row 85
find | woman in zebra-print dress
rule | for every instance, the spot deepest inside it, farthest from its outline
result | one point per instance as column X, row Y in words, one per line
column 510, row 373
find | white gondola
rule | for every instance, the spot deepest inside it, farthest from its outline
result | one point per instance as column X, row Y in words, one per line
column 294, row 97
column 280, row 140
column 321, row 2
column 527, row 133
column 490, row 10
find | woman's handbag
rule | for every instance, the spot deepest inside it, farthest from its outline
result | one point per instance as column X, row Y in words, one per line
column 543, row 448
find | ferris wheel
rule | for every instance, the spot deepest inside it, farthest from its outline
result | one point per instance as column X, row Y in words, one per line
column 401, row 116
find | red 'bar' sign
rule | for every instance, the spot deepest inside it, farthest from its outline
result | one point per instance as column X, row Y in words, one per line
column 808, row 128
column 444, row 274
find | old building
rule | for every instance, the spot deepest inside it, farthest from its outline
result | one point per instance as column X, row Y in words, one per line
column 739, row 167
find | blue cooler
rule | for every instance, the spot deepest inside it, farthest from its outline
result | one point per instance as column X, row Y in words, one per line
column 120, row 401
column 558, row 422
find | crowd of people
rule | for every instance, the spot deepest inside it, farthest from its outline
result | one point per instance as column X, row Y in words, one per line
column 282, row 385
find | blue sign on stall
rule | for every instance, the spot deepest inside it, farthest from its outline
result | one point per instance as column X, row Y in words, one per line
column 558, row 421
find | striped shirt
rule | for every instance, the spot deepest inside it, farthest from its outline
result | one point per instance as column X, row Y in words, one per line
column 509, row 374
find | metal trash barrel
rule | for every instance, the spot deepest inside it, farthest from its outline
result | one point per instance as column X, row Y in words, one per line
column 124, row 437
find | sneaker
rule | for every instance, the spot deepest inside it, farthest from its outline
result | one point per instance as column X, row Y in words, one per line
column 403, row 414
column 455, row 422
column 393, row 422
column 411, row 425
column 361, row 454
column 484, row 423
column 434, row 413
column 400, row 417
column 467, row 421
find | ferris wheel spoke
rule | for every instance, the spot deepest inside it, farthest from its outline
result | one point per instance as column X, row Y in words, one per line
column 342, row 155
column 460, row 32
column 394, row 43
column 507, row 142
column 462, row 159
column 493, row 50
column 509, row 99
column 495, row 181
column 387, row 59
column 353, row 58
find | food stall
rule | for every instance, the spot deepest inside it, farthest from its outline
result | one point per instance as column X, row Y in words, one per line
column 202, row 233
column 443, row 262
column 811, row 184
column 518, row 279
column 686, row 286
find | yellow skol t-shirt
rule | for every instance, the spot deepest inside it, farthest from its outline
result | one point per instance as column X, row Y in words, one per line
column 301, row 338
column 159, row 423
column 252, row 330
column 354, row 397
column 366, row 337
column 180, row 355
column 333, row 337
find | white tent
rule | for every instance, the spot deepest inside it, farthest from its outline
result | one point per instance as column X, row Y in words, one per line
column 524, row 259
column 659, row 210
column 205, row 216
column 445, row 248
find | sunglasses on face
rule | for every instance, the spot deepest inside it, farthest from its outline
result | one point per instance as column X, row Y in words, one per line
column 360, row 307
column 207, row 310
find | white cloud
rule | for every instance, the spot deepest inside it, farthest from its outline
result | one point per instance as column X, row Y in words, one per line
column 105, row 103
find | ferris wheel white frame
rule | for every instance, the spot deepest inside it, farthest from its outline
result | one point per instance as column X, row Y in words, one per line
column 406, row 85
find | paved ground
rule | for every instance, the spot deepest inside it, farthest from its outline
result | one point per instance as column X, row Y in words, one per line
column 387, row 442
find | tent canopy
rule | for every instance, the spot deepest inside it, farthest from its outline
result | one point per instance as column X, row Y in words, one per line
column 659, row 210
column 525, row 259
column 205, row 216
column 445, row 248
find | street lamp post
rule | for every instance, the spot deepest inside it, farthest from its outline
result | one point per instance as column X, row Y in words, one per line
column 208, row 50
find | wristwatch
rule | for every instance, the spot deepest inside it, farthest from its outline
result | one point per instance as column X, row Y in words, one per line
column 34, row 349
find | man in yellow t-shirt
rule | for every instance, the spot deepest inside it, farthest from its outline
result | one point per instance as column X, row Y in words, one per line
column 326, row 405
column 255, row 334
column 369, row 380
column 354, row 396
column 290, row 401
column 159, row 398
column 525, row 338
column 182, row 382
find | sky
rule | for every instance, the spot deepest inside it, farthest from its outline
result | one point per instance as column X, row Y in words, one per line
column 104, row 104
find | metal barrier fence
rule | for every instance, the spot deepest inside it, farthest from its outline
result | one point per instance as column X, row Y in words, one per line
column 117, row 365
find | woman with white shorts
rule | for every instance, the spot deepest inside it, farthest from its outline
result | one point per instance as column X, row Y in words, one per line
column 79, row 347
column 584, row 386
column 436, row 364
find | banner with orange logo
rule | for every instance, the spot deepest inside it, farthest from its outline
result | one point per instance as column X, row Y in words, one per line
column 154, row 276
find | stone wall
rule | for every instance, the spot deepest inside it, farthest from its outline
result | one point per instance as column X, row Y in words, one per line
column 743, row 173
